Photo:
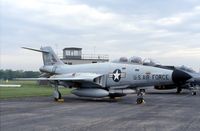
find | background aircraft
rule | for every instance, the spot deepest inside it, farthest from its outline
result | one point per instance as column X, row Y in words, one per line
column 106, row 79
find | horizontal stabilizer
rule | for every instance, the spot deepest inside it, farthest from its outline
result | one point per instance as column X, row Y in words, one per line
column 48, row 55
column 35, row 50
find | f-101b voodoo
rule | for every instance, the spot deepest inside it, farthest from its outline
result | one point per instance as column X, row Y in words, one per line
column 109, row 79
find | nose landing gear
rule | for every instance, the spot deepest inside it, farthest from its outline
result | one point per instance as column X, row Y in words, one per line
column 140, row 94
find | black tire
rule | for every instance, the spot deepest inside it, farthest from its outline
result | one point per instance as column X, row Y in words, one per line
column 59, row 97
column 140, row 100
column 112, row 97
column 55, row 99
column 178, row 90
column 194, row 93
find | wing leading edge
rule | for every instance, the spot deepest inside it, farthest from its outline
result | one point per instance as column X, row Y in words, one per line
column 89, row 77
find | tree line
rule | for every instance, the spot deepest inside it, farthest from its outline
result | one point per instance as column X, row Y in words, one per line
column 10, row 74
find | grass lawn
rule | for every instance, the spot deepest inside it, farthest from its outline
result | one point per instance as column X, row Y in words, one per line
column 28, row 88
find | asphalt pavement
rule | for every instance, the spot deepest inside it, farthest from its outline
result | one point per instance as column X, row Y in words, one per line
column 163, row 111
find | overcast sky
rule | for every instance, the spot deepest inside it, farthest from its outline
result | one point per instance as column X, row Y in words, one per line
column 165, row 30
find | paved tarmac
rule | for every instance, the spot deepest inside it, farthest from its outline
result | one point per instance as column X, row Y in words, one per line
column 163, row 111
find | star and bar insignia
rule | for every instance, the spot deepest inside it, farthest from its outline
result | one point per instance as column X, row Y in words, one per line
column 117, row 75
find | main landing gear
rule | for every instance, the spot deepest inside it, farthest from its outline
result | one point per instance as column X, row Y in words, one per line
column 140, row 94
column 56, row 94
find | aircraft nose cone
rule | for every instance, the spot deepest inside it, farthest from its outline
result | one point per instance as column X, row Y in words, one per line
column 179, row 76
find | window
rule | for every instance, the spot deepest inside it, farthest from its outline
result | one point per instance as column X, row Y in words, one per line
column 137, row 69
column 67, row 52
column 76, row 53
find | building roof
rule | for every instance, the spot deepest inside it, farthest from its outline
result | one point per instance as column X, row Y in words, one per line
column 72, row 48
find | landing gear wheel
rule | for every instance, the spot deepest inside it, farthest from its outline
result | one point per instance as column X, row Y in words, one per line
column 140, row 95
column 140, row 100
column 178, row 90
column 57, row 95
column 112, row 97
column 194, row 93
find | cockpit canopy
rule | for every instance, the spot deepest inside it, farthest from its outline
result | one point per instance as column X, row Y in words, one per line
column 123, row 59
column 136, row 60
column 149, row 61
column 133, row 60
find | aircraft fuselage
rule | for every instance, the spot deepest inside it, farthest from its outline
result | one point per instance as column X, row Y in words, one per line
column 118, row 74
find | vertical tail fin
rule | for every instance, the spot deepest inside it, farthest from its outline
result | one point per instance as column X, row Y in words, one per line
column 49, row 56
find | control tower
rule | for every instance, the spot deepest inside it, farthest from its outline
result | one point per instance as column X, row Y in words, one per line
column 73, row 56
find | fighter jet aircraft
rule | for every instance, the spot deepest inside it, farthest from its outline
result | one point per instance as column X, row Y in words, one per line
column 109, row 79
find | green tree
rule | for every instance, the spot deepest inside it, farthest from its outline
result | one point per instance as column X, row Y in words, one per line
column 9, row 74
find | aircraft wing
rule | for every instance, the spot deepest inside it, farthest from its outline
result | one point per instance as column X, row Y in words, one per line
column 89, row 77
